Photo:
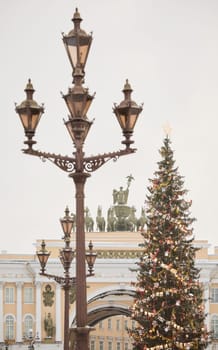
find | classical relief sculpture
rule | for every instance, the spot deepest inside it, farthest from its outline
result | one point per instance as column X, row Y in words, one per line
column 48, row 325
column 48, row 296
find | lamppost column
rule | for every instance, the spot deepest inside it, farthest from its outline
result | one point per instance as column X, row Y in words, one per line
column 58, row 333
column 38, row 309
column 81, row 298
column 66, row 317
column 1, row 314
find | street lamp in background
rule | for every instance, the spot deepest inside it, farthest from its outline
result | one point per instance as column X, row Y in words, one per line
column 79, row 167
column 30, row 339
column 66, row 257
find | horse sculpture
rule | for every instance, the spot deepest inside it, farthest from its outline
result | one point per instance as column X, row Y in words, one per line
column 89, row 222
column 100, row 220
column 141, row 221
column 132, row 220
column 74, row 222
column 111, row 220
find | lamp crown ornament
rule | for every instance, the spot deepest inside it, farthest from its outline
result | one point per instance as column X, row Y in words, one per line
column 127, row 87
column 29, row 89
column 76, row 16
column 29, row 102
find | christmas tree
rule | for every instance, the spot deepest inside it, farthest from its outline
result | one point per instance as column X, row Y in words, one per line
column 169, row 304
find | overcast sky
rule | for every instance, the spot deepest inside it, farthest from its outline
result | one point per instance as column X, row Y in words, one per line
column 168, row 49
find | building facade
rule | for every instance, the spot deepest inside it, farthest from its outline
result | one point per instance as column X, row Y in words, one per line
column 31, row 306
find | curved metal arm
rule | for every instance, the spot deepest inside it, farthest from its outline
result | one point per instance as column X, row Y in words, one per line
column 94, row 162
column 90, row 164
column 63, row 281
column 66, row 163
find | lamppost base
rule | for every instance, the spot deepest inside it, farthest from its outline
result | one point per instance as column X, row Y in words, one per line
column 79, row 337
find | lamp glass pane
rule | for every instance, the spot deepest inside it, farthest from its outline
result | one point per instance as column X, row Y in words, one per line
column 67, row 226
column 24, row 120
column 43, row 258
column 88, row 103
column 78, row 104
column 73, row 54
column 67, row 255
column 132, row 120
column 75, row 107
column 35, row 119
column 78, row 107
column 90, row 258
column 83, row 54
column 30, row 122
column 123, row 121
column 127, row 122
column 84, row 44
column 71, row 50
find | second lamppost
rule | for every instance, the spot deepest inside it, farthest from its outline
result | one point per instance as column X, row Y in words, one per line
column 79, row 167
column 66, row 256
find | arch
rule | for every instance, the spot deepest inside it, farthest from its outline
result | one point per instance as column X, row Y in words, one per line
column 28, row 315
column 98, row 313
column 11, row 315
column 115, row 292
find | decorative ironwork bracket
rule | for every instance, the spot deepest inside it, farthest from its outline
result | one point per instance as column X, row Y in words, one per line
column 68, row 164
column 63, row 281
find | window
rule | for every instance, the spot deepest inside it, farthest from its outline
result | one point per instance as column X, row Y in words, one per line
column 125, row 324
column 101, row 345
column 9, row 324
column 109, row 324
column 110, row 345
column 118, row 325
column 28, row 295
column 100, row 325
column 118, row 346
column 214, row 326
column 92, row 347
column 133, row 324
column 125, row 346
column 214, row 295
column 9, row 295
column 28, row 326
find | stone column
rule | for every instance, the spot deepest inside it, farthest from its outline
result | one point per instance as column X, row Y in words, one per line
column 19, row 313
column 1, row 314
column 58, row 313
column 38, row 330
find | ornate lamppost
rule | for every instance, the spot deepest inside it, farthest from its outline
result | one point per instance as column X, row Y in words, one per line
column 78, row 100
column 66, row 257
